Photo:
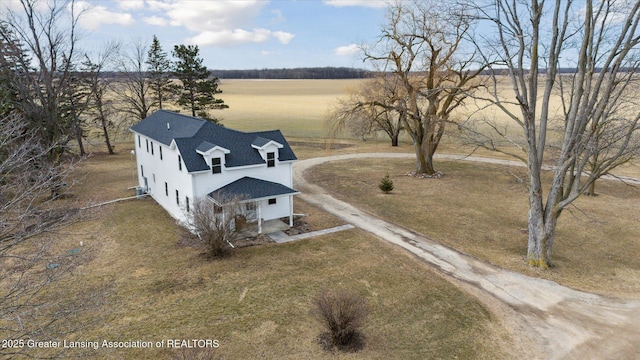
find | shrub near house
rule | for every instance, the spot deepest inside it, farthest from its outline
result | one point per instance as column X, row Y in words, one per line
column 181, row 158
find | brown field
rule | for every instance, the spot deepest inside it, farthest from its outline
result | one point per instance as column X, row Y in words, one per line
column 298, row 107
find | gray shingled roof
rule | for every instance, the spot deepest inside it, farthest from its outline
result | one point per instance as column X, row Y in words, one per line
column 260, row 141
column 205, row 146
column 189, row 133
column 249, row 188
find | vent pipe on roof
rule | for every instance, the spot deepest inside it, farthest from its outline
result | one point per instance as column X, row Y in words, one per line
column 168, row 126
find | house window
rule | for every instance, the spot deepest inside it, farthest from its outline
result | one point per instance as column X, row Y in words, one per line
column 152, row 148
column 271, row 159
column 147, row 140
column 139, row 142
column 272, row 201
column 154, row 178
column 160, row 152
column 177, row 197
column 186, row 199
column 141, row 170
column 216, row 165
column 179, row 163
column 166, row 189
column 251, row 206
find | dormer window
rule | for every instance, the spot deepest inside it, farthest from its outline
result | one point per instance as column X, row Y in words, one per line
column 271, row 159
column 216, row 165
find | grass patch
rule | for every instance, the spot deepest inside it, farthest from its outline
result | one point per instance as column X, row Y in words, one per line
column 481, row 210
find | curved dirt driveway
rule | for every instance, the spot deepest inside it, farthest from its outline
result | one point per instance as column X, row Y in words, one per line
column 546, row 320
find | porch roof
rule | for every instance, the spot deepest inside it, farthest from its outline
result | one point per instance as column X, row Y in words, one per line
column 248, row 188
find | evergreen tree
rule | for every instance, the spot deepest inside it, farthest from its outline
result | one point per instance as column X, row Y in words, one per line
column 159, row 72
column 13, row 56
column 386, row 184
column 198, row 89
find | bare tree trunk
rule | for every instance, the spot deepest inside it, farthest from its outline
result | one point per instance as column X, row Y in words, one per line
column 78, row 134
column 104, row 123
column 421, row 163
column 427, row 158
column 538, row 248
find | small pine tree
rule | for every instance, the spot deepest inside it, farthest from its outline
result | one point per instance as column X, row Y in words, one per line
column 386, row 184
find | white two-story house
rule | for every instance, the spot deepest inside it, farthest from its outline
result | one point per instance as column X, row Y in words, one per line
column 182, row 158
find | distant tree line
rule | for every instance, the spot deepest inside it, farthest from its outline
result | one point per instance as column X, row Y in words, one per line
column 296, row 73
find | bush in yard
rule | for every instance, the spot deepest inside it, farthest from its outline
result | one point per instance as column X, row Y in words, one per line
column 214, row 225
column 386, row 184
column 343, row 315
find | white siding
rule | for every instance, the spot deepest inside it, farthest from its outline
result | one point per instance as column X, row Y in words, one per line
column 165, row 170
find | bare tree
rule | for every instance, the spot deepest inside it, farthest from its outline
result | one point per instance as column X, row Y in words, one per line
column 101, row 106
column 373, row 107
column 214, row 223
column 74, row 101
column 49, row 34
column 31, row 214
column 422, row 45
column 134, row 90
column 598, row 123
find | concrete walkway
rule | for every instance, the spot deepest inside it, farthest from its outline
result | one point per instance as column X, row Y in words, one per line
column 282, row 237
column 549, row 321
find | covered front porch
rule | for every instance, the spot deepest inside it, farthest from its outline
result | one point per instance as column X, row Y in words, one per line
column 259, row 200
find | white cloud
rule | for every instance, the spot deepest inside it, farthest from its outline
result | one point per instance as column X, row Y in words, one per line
column 130, row 4
column 349, row 50
column 156, row 21
column 238, row 36
column 283, row 37
column 203, row 16
column 221, row 22
column 94, row 16
column 363, row 3
column 277, row 16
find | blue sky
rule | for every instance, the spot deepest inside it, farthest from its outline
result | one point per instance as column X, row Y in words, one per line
column 250, row 34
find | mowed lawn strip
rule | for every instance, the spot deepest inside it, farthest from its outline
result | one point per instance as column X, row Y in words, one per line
column 481, row 210
column 257, row 303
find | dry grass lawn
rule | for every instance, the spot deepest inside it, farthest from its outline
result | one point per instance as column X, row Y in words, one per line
column 257, row 303
column 482, row 210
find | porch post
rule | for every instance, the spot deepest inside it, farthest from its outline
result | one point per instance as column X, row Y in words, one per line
column 290, row 210
column 259, row 217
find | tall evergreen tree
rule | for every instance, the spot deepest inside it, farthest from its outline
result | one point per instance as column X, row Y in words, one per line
column 12, row 54
column 159, row 72
column 49, row 35
column 198, row 89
